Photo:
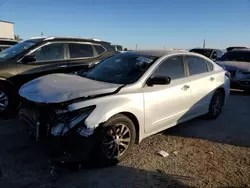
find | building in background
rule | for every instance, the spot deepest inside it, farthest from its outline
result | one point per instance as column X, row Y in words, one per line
column 6, row 29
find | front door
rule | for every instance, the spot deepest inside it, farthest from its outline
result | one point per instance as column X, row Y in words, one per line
column 167, row 105
column 50, row 58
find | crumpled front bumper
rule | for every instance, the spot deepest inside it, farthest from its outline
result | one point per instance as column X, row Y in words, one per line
column 76, row 146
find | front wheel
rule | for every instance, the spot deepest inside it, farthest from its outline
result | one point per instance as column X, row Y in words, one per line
column 117, row 136
column 6, row 100
column 216, row 105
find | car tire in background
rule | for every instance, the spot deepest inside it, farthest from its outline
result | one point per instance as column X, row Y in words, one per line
column 6, row 99
column 216, row 104
column 115, row 140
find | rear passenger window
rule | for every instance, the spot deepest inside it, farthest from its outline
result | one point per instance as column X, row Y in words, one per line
column 210, row 66
column 196, row 65
column 99, row 49
column 80, row 50
column 172, row 67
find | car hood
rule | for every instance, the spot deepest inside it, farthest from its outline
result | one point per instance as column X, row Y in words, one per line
column 57, row 88
column 235, row 65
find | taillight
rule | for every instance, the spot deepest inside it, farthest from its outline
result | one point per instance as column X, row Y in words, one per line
column 228, row 74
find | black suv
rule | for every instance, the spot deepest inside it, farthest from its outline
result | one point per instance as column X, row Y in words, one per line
column 6, row 43
column 40, row 56
column 210, row 53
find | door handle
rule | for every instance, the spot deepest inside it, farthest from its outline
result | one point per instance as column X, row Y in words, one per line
column 185, row 87
column 212, row 78
column 63, row 66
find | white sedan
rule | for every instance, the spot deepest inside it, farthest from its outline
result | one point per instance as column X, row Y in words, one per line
column 123, row 100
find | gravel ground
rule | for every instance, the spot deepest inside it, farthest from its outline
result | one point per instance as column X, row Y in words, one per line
column 202, row 153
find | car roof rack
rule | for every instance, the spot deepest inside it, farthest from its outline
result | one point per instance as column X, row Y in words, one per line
column 68, row 37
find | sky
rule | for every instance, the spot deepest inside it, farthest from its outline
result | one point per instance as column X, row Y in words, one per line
column 147, row 23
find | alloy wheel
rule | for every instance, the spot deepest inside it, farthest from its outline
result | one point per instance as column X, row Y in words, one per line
column 3, row 101
column 216, row 105
column 116, row 141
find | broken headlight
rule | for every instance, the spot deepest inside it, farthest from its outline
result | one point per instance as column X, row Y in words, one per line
column 67, row 120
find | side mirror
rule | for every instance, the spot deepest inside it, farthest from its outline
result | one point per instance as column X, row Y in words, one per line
column 159, row 80
column 28, row 59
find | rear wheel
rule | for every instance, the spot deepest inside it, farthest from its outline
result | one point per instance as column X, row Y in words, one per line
column 216, row 105
column 116, row 139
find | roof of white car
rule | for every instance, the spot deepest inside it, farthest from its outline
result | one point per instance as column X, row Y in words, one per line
column 157, row 53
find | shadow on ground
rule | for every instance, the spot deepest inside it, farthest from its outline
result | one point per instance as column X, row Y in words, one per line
column 25, row 165
column 231, row 127
column 119, row 176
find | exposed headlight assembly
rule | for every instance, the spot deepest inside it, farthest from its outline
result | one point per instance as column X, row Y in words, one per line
column 66, row 120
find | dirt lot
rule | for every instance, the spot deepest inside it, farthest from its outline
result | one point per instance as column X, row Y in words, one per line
column 210, row 154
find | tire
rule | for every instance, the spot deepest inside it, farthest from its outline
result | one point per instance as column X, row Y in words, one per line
column 110, row 140
column 6, row 100
column 216, row 105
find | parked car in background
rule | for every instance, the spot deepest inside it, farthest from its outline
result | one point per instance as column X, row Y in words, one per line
column 117, row 48
column 6, row 43
column 40, row 56
column 122, row 100
column 235, row 48
column 237, row 62
column 210, row 53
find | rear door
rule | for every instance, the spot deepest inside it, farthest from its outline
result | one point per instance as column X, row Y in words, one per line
column 82, row 55
column 202, row 83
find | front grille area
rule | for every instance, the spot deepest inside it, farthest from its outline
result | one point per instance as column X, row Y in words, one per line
column 245, row 83
column 36, row 117
column 31, row 119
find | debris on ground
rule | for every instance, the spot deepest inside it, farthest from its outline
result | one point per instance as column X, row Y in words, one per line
column 163, row 153
column 175, row 152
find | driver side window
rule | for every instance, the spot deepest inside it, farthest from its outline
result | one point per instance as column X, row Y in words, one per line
column 50, row 52
column 172, row 67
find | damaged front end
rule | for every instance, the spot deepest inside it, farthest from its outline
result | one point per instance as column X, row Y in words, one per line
column 62, row 129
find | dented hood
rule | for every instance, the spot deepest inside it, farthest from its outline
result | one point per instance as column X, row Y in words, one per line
column 56, row 88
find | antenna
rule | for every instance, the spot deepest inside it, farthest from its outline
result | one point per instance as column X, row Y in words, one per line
column 204, row 43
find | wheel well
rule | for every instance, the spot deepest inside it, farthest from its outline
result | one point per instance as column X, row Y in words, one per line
column 135, row 121
column 4, row 82
column 221, row 90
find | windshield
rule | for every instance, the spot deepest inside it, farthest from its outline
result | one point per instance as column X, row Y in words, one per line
column 204, row 52
column 16, row 49
column 121, row 69
column 236, row 56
